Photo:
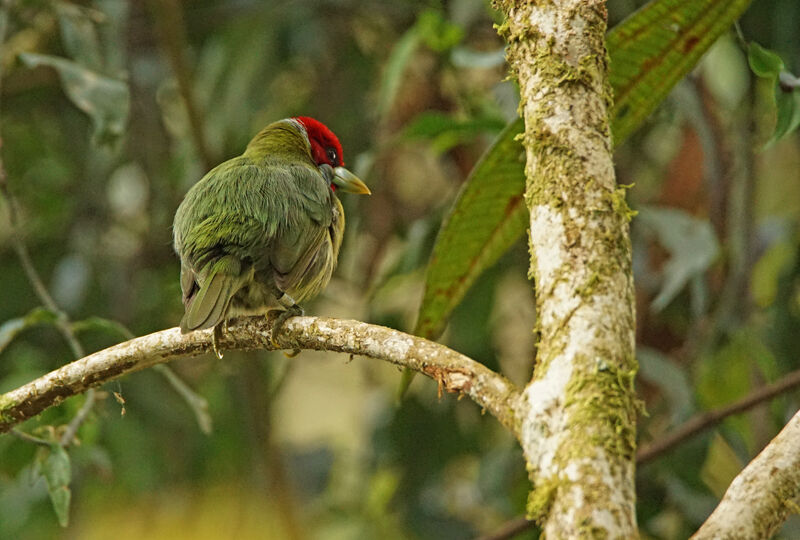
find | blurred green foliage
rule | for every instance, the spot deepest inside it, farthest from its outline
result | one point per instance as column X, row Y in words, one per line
column 99, row 149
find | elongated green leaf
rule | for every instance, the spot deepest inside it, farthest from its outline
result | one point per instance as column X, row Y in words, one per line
column 487, row 219
column 102, row 325
column 395, row 68
column 58, row 473
column 720, row 467
column 655, row 47
column 650, row 51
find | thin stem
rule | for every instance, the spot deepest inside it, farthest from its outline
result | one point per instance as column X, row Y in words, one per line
column 509, row 529
column 712, row 418
column 27, row 437
column 168, row 15
column 197, row 403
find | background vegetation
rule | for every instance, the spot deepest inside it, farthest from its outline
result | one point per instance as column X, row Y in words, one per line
column 99, row 146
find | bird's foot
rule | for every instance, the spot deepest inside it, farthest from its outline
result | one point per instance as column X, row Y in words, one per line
column 291, row 311
column 216, row 336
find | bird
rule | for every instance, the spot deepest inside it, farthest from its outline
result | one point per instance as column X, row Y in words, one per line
column 262, row 231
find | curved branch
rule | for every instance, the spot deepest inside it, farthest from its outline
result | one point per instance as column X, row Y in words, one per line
column 710, row 419
column 453, row 371
column 763, row 495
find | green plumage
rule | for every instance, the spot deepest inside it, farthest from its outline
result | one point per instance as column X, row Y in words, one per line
column 261, row 231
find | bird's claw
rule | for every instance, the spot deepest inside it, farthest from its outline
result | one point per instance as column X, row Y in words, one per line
column 216, row 336
column 292, row 311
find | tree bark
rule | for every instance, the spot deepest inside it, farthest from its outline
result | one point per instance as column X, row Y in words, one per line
column 577, row 415
column 763, row 495
column 453, row 371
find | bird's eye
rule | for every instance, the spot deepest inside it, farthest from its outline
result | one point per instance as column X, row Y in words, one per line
column 334, row 159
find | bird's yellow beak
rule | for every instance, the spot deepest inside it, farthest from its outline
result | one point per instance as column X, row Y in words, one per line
column 348, row 182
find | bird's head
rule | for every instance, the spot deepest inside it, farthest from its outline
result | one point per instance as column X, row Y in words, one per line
column 326, row 151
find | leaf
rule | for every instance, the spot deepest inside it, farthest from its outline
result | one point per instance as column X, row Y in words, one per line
column 13, row 327
column 103, row 325
column 447, row 131
column 79, row 35
column 463, row 57
column 691, row 242
column 399, row 58
column 437, row 32
column 763, row 62
column 105, row 100
column 767, row 64
column 649, row 52
column 788, row 113
column 487, row 219
column 655, row 47
column 57, row 473
column 720, row 467
column 767, row 271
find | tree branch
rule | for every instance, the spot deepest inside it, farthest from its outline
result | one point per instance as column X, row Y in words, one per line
column 168, row 17
column 711, row 418
column 687, row 430
column 578, row 413
column 453, row 371
column 762, row 496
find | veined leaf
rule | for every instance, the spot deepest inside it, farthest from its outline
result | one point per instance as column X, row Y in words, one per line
column 486, row 220
column 655, row 47
column 57, row 472
column 650, row 51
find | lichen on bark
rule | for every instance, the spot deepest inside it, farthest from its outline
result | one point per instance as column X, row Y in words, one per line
column 578, row 412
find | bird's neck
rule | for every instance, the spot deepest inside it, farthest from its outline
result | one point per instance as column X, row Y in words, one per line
column 279, row 140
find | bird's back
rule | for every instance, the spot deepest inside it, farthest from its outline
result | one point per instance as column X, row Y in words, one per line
column 267, row 226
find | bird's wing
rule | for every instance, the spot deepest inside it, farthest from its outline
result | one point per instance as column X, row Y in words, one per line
column 304, row 229
column 209, row 303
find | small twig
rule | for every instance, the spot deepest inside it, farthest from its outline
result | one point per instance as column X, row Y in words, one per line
column 197, row 403
column 168, row 15
column 456, row 372
column 79, row 419
column 509, row 529
column 27, row 437
column 709, row 419
column 62, row 320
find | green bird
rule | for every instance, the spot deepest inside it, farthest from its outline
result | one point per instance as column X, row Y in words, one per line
column 262, row 231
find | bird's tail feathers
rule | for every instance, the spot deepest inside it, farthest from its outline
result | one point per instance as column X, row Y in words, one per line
column 210, row 304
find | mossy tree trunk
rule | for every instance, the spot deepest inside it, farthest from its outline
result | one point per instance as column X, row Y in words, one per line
column 578, row 412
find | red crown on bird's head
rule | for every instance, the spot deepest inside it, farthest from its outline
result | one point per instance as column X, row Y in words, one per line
column 325, row 146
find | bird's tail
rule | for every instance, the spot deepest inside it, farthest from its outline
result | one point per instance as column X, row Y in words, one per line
column 209, row 305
